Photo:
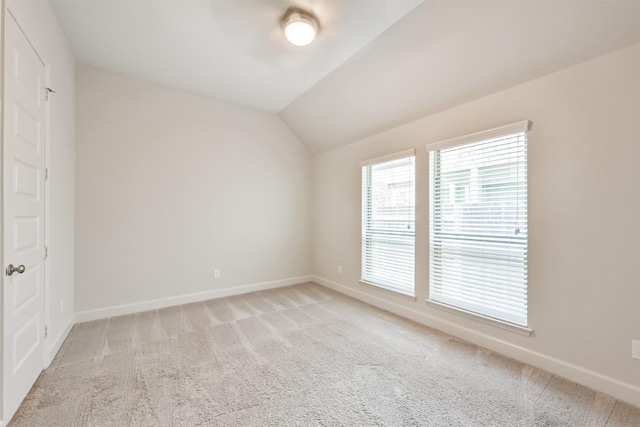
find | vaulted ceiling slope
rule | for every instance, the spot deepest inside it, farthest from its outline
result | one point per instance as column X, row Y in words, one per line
column 375, row 65
column 231, row 50
column 443, row 54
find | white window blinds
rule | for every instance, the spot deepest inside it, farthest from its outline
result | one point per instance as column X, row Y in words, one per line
column 388, row 222
column 478, row 223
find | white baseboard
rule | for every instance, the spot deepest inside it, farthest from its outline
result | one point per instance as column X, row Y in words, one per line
column 119, row 310
column 619, row 389
column 55, row 347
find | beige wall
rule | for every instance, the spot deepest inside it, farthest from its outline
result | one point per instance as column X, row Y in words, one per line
column 171, row 186
column 584, row 211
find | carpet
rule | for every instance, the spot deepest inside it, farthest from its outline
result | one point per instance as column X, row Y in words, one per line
column 296, row 356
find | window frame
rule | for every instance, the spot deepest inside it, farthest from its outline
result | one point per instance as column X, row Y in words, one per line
column 503, row 131
column 364, row 279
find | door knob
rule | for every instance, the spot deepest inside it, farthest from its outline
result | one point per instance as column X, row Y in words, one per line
column 11, row 269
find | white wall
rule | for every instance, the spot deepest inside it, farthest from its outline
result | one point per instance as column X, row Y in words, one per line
column 171, row 186
column 584, row 210
column 37, row 20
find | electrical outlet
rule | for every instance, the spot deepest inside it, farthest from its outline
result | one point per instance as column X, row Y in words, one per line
column 339, row 269
column 635, row 349
column 216, row 274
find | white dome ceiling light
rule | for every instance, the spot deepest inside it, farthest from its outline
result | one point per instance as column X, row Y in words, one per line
column 300, row 27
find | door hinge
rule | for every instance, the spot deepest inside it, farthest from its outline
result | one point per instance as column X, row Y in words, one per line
column 46, row 252
column 47, row 91
column 46, row 331
column 46, row 174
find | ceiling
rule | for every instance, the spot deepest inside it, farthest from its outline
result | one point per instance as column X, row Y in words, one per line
column 375, row 64
column 231, row 50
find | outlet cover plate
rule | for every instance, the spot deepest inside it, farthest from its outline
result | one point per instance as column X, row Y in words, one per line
column 635, row 349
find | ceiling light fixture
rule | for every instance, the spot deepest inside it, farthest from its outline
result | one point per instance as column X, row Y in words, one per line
column 300, row 27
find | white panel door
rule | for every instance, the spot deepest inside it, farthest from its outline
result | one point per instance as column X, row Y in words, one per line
column 24, row 174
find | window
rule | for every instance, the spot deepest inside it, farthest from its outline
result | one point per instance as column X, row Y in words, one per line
column 388, row 222
column 478, row 223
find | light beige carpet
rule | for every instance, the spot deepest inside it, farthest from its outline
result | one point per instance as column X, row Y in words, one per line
column 296, row 356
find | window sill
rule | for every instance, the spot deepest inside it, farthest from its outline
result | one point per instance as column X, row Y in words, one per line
column 391, row 291
column 522, row 330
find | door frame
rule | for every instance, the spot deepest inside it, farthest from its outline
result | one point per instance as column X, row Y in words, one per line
column 47, row 200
